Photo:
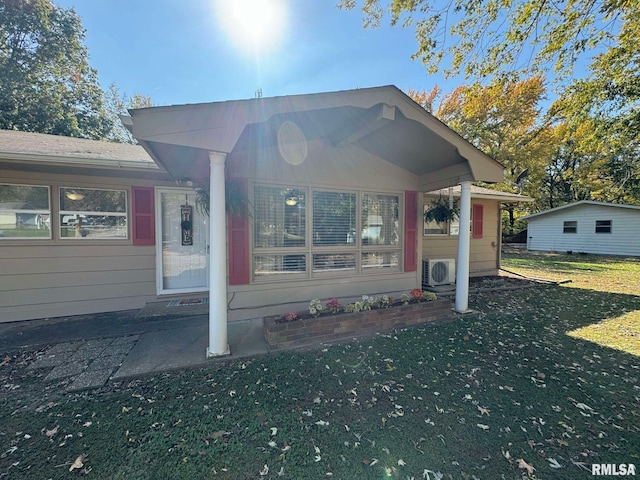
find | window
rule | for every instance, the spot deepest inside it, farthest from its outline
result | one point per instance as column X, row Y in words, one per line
column 441, row 228
column 380, row 239
column 25, row 212
column 435, row 228
column 603, row 226
column 334, row 218
column 279, row 234
column 349, row 232
column 570, row 227
column 91, row 213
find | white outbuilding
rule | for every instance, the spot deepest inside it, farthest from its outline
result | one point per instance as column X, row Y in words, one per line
column 586, row 227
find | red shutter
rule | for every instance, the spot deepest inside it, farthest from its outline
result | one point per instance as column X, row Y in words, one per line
column 478, row 211
column 143, row 215
column 410, row 231
column 238, row 230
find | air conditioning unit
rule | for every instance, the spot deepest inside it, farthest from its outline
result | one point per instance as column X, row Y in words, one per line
column 439, row 272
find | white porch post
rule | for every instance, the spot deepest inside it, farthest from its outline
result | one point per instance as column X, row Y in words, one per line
column 218, row 344
column 462, row 271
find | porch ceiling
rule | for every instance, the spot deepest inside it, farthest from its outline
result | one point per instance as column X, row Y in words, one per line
column 382, row 121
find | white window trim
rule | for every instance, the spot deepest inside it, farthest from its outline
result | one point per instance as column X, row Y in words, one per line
column 125, row 214
column 35, row 211
column 309, row 249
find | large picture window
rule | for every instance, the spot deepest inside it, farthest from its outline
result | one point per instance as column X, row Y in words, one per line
column 25, row 212
column 349, row 232
column 91, row 213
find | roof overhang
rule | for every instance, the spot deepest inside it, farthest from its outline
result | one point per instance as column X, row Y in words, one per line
column 37, row 152
column 485, row 194
column 382, row 121
column 581, row 203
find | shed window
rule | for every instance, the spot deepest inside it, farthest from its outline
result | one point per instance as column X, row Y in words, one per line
column 25, row 212
column 570, row 227
column 603, row 226
column 91, row 213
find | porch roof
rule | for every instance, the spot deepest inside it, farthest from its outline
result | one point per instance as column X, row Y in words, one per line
column 486, row 193
column 382, row 121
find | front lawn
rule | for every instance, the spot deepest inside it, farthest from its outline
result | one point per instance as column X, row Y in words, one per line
column 517, row 390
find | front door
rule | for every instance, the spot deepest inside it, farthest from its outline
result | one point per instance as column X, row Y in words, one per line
column 181, row 252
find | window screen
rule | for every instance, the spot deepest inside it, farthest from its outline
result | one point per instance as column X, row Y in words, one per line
column 334, row 218
column 280, row 217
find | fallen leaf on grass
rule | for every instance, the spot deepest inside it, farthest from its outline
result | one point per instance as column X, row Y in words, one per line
column 79, row 462
column 525, row 466
column 218, row 434
column 483, row 410
column 52, row 432
column 482, row 426
column 5, row 361
column 553, row 463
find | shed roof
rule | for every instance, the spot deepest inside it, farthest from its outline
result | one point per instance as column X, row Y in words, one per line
column 581, row 203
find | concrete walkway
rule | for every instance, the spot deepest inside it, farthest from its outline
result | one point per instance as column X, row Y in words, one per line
column 87, row 351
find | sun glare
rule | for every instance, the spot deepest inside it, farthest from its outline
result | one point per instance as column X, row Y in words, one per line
column 253, row 25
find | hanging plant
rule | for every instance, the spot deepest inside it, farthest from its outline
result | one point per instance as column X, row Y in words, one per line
column 440, row 211
column 235, row 198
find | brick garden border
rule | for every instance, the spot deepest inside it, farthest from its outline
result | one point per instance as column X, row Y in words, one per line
column 305, row 332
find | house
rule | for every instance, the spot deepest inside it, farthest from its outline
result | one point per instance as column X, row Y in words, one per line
column 586, row 227
column 440, row 239
column 334, row 183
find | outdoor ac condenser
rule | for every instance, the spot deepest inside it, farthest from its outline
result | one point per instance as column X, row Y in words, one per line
column 441, row 272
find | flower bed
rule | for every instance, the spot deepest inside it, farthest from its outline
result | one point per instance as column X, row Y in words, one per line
column 324, row 326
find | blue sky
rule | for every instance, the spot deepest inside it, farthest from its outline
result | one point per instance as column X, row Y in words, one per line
column 186, row 51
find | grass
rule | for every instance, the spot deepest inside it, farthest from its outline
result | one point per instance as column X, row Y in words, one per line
column 510, row 392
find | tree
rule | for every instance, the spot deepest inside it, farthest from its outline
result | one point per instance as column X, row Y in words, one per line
column 116, row 104
column 503, row 120
column 47, row 84
column 483, row 38
column 607, row 102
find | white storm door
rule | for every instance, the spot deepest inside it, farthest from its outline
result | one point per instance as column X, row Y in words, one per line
column 180, row 268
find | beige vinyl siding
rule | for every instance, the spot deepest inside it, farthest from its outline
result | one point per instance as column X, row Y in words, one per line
column 46, row 278
column 345, row 169
column 42, row 282
column 484, row 252
column 256, row 300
